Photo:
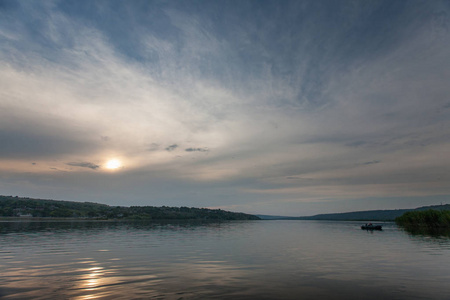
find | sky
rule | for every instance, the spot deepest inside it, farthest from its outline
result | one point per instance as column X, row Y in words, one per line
column 266, row 107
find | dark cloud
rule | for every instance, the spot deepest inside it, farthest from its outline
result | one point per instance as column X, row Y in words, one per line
column 327, row 138
column 172, row 147
column 356, row 144
column 373, row 162
column 38, row 138
column 105, row 138
column 196, row 150
column 84, row 165
column 298, row 177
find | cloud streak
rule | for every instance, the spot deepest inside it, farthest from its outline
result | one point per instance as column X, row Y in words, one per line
column 196, row 150
column 171, row 147
column 84, row 165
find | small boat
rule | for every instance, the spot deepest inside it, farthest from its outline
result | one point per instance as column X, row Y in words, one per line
column 370, row 226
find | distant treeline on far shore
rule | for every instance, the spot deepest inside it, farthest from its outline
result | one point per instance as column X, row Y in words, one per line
column 11, row 206
column 368, row 215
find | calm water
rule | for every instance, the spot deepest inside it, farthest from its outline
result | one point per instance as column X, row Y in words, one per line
column 234, row 260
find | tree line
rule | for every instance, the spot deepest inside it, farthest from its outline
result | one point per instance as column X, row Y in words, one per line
column 13, row 206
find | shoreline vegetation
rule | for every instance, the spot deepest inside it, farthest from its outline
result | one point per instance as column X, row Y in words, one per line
column 18, row 208
column 429, row 218
column 429, row 222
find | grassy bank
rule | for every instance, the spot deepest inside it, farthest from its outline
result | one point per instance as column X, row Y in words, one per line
column 429, row 219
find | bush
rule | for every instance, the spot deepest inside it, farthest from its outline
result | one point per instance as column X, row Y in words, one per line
column 429, row 218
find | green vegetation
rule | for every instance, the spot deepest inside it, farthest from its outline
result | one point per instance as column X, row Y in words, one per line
column 26, row 207
column 429, row 218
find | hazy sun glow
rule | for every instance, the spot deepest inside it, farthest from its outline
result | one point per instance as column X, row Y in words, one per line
column 113, row 164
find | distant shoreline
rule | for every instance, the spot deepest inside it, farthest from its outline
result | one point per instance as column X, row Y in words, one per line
column 51, row 219
column 367, row 215
column 29, row 208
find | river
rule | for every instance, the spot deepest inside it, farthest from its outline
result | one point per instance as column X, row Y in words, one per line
column 227, row 260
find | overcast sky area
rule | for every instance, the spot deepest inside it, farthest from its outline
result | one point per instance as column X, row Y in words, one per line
column 266, row 107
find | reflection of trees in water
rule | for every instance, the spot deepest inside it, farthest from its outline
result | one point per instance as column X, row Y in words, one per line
column 52, row 226
column 436, row 236
column 94, row 227
column 428, row 231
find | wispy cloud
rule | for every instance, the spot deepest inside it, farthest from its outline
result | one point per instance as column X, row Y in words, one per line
column 171, row 147
column 196, row 149
column 84, row 165
column 371, row 162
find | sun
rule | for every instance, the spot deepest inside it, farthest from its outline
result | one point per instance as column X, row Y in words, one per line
column 113, row 164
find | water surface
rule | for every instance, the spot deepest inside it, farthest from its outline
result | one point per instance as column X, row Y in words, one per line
column 231, row 260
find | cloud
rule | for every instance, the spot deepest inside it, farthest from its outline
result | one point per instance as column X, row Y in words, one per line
column 371, row 162
column 356, row 143
column 38, row 137
column 84, row 165
column 171, row 147
column 196, row 150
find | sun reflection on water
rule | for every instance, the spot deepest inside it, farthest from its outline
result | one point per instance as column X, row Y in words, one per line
column 93, row 278
column 93, row 281
column 96, row 281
